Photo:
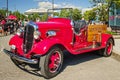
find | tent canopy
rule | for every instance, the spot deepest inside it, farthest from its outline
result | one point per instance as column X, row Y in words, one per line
column 12, row 17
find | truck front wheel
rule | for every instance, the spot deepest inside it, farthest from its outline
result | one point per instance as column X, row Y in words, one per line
column 51, row 63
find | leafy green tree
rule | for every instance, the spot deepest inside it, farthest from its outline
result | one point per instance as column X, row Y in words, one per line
column 44, row 17
column 23, row 17
column 35, row 16
column 108, row 3
column 103, row 13
column 19, row 15
column 29, row 17
column 77, row 14
column 101, row 9
column 104, row 7
column 56, row 14
column 2, row 12
column 64, row 13
column 90, row 15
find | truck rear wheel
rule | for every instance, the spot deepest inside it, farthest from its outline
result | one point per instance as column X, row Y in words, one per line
column 51, row 63
column 107, row 51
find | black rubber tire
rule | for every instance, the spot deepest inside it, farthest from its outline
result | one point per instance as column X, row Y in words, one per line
column 44, row 61
column 104, row 51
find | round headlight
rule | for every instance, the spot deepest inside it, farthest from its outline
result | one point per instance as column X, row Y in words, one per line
column 36, row 34
column 13, row 47
column 19, row 32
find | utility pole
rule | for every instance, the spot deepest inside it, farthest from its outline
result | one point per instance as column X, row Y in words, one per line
column 7, row 6
column 52, row 8
column 52, row 4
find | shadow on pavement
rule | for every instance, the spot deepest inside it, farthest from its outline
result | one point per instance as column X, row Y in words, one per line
column 69, row 60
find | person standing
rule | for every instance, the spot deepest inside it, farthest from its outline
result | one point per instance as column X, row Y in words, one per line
column 5, row 29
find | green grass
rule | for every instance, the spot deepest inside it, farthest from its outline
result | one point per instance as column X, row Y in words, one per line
column 112, row 33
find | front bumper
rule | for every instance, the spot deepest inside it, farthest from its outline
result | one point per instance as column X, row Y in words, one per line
column 20, row 58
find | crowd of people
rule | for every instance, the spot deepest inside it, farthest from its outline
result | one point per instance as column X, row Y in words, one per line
column 10, row 26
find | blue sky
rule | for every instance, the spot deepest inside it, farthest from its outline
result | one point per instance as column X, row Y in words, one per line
column 24, row 5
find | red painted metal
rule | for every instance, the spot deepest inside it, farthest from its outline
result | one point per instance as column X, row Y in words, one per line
column 109, row 48
column 17, row 41
column 54, row 62
column 65, row 36
column 105, row 38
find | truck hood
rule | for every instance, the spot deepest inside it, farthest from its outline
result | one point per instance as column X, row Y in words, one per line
column 55, row 22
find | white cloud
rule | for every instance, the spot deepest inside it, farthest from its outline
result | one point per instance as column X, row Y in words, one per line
column 44, row 5
column 48, row 5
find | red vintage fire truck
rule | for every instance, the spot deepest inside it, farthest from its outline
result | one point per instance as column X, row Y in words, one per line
column 43, row 43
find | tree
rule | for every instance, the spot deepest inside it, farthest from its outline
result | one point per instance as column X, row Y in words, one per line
column 77, row 14
column 2, row 13
column 90, row 15
column 103, row 7
column 108, row 3
column 64, row 13
column 35, row 16
column 19, row 15
column 44, row 17
column 116, row 2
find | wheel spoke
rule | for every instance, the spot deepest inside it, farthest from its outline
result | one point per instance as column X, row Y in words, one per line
column 51, row 65
column 51, row 62
column 56, row 55
column 109, row 48
column 54, row 62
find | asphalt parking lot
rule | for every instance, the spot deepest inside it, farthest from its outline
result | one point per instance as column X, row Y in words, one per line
column 87, row 66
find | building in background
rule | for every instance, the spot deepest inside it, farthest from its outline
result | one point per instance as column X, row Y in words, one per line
column 37, row 10
column 114, row 16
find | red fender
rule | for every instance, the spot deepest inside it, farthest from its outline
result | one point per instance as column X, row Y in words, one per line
column 17, row 41
column 38, row 48
column 43, row 46
column 105, row 38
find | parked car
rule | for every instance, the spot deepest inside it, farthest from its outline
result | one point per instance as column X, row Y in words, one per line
column 43, row 43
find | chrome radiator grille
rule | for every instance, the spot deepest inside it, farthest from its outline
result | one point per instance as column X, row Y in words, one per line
column 28, row 38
